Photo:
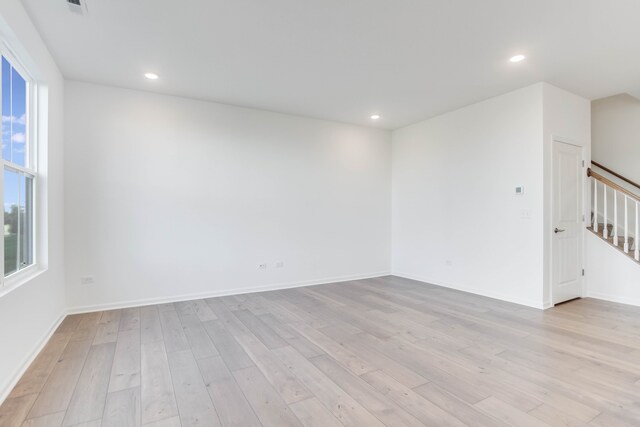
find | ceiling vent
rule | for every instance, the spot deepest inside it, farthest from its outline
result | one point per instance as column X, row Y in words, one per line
column 78, row 6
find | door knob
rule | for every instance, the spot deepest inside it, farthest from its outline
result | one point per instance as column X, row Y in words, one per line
column 558, row 230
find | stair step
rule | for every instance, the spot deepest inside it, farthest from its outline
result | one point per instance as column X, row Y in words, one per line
column 601, row 226
column 610, row 234
column 621, row 241
column 620, row 245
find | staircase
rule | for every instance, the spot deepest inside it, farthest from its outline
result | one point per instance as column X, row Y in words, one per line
column 615, row 215
column 620, row 244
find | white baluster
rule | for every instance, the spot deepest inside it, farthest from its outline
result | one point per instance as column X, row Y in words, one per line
column 605, row 227
column 615, row 217
column 637, row 251
column 626, row 224
column 595, row 205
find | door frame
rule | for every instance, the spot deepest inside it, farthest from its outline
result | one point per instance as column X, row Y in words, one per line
column 584, row 202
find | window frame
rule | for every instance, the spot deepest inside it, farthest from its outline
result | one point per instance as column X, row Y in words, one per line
column 30, row 169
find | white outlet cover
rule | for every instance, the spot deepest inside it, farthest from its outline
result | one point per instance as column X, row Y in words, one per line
column 87, row 280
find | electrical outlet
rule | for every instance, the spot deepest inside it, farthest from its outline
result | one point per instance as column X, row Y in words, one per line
column 262, row 266
column 280, row 264
column 87, row 280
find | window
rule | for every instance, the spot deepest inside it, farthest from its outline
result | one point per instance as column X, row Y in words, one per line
column 19, row 176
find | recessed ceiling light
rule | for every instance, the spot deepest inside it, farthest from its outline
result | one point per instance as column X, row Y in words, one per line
column 375, row 117
column 517, row 58
column 151, row 76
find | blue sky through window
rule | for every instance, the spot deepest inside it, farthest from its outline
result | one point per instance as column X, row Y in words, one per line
column 14, row 127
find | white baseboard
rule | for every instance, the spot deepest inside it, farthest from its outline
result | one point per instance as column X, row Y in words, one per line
column 495, row 295
column 547, row 305
column 213, row 294
column 19, row 372
column 614, row 298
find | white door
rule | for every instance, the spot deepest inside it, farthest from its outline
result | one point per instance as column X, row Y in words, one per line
column 567, row 222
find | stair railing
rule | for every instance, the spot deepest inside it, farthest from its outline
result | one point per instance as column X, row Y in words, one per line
column 616, row 174
column 631, row 200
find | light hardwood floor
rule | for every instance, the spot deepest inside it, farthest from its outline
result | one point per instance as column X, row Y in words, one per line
column 374, row 352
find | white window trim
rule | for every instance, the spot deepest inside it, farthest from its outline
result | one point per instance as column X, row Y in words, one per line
column 25, row 275
column 19, row 278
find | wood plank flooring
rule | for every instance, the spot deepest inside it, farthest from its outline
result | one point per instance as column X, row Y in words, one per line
column 376, row 352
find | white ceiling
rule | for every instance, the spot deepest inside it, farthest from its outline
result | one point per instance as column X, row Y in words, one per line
column 347, row 59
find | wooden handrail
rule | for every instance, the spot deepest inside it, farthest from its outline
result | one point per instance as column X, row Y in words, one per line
column 617, row 175
column 612, row 184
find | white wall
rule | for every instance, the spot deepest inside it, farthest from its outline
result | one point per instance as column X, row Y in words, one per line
column 567, row 117
column 616, row 134
column 169, row 197
column 30, row 312
column 616, row 145
column 456, row 219
column 611, row 275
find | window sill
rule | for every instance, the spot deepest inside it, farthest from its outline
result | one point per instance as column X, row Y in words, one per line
column 20, row 278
